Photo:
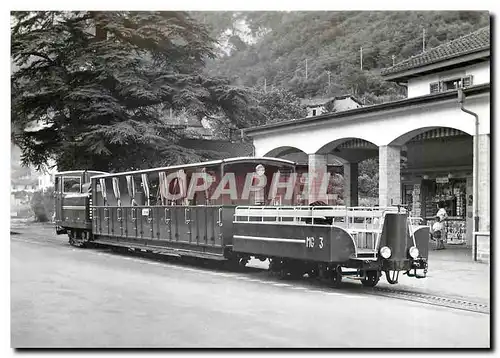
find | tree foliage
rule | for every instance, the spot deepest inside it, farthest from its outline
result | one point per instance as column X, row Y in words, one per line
column 368, row 178
column 98, row 84
column 274, row 105
column 279, row 104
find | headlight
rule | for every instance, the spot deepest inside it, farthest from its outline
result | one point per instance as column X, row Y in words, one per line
column 413, row 252
column 385, row 252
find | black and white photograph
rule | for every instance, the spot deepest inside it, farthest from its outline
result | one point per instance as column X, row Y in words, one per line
column 237, row 179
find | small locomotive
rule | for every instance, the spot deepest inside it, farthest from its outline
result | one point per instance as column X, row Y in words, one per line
column 235, row 209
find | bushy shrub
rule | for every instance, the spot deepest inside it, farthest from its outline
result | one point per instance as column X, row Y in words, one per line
column 42, row 204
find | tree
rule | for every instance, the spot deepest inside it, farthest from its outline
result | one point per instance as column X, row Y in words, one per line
column 97, row 84
column 280, row 104
column 368, row 178
column 271, row 106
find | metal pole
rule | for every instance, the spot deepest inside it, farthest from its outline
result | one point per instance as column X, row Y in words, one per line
column 475, row 182
column 423, row 40
column 361, row 55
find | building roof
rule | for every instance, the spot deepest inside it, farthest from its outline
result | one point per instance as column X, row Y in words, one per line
column 24, row 181
column 477, row 41
column 353, row 114
column 314, row 102
column 202, row 165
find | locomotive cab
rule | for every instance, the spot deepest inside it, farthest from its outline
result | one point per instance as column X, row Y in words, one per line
column 72, row 203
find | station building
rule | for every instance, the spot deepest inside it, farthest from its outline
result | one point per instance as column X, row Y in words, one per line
column 430, row 148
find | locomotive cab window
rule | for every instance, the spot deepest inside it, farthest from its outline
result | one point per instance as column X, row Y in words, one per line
column 72, row 184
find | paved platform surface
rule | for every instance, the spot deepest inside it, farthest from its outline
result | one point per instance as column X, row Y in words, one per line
column 452, row 272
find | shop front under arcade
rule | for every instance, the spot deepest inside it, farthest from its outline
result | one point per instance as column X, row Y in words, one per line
column 437, row 168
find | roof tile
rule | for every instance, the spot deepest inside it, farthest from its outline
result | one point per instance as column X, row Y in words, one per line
column 473, row 42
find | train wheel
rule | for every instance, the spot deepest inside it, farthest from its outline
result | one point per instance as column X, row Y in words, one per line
column 71, row 236
column 314, row 273
column 296, row 274
column 283, row 274
column 275, row 265
column 336, row 276
column 243, row 262
column 371, row 278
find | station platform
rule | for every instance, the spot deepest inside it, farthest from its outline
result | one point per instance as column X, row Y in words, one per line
column 452, row 272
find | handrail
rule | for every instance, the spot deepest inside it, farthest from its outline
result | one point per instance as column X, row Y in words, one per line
column 363, row 224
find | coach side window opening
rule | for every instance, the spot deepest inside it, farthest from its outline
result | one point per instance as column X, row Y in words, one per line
column 145, row 188
column 71, row 184
column 135, row 190
column 178, row 188
column 131, row 189
column 154, row 189
column 102, row 182
column 116, row 191
column 163, row 187
column 140, row 191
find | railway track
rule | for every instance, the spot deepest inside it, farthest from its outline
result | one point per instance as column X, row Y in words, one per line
column 419, row 297
column 430, row 299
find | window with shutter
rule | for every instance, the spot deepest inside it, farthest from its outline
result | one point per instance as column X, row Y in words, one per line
column 434, row 87
column 467, row 81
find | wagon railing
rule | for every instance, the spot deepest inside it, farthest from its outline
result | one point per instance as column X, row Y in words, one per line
column 364, row 224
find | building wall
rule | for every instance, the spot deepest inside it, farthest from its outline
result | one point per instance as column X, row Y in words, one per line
column 420, row 86
column 483, row 247
column 319, row 110
column 45, row 181
column 395, row 127
column 345, row 104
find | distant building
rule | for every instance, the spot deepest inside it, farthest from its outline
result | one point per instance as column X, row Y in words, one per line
column 318, row 106
column 24, row 184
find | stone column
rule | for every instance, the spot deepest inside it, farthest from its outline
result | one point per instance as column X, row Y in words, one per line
column 389, row 171
column 484, row 182
column 351, row 184
column 316, row 177
column 483, row 200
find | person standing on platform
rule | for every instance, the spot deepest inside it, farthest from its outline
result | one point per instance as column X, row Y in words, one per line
column 437, row 233
column 442, row 215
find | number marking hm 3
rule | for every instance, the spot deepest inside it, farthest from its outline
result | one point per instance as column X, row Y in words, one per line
column 310, row 242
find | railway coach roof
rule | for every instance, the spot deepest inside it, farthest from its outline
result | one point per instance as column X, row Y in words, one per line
column 72, row 172
column 200, row 164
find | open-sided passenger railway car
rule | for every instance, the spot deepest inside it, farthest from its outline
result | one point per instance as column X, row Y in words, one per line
column 176, row 211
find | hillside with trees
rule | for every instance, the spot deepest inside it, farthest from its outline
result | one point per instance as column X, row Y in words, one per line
column 273, row 47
